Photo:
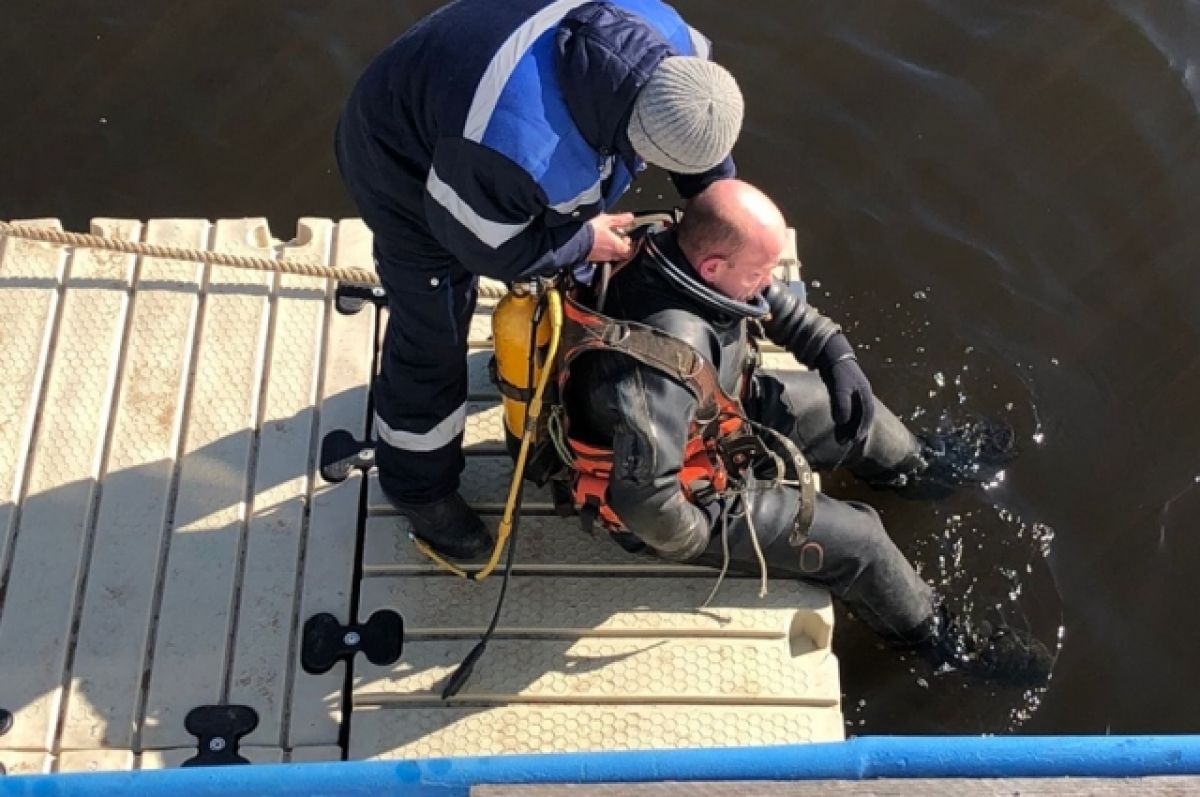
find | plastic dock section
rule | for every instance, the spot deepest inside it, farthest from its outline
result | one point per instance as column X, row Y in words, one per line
column 165, row 537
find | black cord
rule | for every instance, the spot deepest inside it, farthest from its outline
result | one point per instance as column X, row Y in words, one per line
column 464, row 670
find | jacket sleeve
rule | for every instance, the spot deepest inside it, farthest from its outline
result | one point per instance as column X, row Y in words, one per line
column 648, row 442
column 796, row 325
column 490, row 214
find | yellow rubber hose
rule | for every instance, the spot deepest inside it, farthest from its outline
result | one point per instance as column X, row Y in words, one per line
column 534, row 412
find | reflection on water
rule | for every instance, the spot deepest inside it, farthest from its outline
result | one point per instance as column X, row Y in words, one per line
column 996, row 199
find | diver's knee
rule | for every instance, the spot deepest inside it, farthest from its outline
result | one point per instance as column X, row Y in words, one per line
column 846, row 538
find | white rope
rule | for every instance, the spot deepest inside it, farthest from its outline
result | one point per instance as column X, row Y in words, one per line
column 724, row 559
column 762, row 561
column 488, row 289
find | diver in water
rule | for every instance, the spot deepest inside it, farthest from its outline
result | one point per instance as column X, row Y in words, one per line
column 642, row 404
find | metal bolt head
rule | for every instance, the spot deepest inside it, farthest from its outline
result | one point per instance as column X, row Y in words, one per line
column 352, row 638
column 216, row 744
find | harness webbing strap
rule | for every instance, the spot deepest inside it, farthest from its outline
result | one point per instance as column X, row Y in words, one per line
column 720, row 418
column 506, row 388
column 586, row 330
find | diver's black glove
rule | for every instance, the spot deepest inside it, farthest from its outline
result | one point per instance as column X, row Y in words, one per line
column 850, row 393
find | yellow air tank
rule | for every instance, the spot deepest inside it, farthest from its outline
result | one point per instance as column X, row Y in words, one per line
column 511, row 325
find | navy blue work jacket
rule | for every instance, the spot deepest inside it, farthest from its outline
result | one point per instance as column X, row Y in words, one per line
column 493, row 130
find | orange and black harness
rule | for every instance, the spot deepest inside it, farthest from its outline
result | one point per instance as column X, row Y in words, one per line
column 721, row 443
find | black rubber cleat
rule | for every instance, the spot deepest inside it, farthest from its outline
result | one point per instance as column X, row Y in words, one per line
column 449, row 527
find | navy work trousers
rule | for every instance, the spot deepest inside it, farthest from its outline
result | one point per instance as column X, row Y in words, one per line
column 421, row 390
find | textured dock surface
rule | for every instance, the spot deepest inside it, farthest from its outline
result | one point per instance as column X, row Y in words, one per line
column 164, row 535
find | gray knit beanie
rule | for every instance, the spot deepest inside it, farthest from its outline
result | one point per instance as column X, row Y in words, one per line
column 687, row 117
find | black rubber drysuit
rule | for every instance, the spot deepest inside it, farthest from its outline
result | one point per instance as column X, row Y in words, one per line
column 644, row 415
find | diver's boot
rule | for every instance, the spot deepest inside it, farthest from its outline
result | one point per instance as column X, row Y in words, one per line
column 968, row 452
column 957, row 454
column 448, row 526
column 1001, row 654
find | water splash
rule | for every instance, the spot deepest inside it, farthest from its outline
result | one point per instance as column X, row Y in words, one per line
column 985, row 563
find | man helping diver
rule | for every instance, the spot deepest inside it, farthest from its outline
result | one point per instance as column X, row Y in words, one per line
column 643, row 409
column 491, row 139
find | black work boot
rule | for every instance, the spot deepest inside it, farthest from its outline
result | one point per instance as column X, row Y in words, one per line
column 1001, row 654
column 448, row 526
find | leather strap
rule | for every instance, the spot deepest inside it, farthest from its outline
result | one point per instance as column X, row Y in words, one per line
column 804, row 477
column 585, row 330
column 506, row 388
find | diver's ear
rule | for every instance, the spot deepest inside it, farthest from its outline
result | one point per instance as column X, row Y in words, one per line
column 710, row 268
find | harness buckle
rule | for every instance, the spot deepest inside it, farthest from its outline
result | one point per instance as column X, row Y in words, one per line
column 702, row 492
column 738, row 453
column 614, row 334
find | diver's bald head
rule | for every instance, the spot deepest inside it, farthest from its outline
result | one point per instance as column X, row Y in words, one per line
column 732, row 233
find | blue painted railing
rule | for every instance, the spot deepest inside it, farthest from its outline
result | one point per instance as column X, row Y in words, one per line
column 866, row 757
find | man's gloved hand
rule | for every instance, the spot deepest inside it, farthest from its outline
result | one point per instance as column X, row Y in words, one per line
column 850, row 394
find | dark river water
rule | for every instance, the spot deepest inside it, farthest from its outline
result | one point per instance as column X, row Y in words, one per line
column 1000, row 201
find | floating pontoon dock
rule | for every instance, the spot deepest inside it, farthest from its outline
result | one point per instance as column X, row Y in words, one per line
column 165, row 537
